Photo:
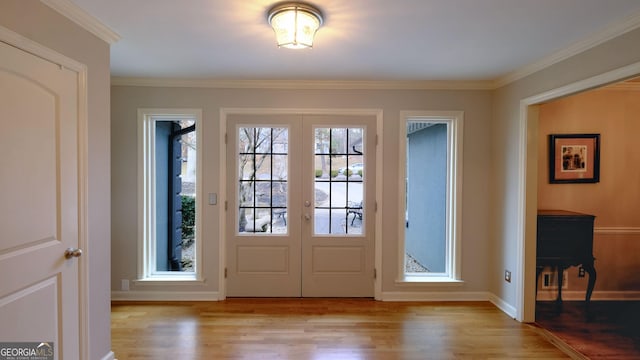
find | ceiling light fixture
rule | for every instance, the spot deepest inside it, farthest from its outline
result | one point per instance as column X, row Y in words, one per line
column 295, row 24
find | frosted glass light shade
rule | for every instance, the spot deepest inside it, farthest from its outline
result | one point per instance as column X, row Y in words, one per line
column 295, row 25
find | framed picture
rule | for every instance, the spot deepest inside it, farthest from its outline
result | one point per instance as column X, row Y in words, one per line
column 574, row 158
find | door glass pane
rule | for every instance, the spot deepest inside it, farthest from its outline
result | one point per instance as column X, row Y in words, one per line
column 262, row 180
column 339, row 181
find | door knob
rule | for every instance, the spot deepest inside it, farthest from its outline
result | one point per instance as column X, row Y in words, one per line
column 72, row 252
column 307, row 217
column 307, row 203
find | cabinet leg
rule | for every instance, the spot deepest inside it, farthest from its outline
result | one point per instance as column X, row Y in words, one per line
column 538, row 271
column 591, row 270
column 560, row 270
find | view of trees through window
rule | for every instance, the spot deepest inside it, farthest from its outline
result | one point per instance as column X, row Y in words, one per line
column 339, row 186
column 188, row 193
column 262, row 190
column 263, row 172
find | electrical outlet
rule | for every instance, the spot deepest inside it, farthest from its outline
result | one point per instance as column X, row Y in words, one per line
column 507, row 276
column 550, row 280
column 124, row 285
column 581, row 272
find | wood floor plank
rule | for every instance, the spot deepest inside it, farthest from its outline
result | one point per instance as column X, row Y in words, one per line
column 322, row 329
column 608, row 331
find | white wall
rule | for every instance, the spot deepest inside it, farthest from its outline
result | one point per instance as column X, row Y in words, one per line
column 475, row 230
column 506, row 143
column 41, row 24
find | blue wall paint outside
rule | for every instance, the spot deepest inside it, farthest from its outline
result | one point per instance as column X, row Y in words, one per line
column 163, row 133
column 426, row 201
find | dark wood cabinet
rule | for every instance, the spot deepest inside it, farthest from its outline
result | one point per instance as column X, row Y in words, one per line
column 565, row 239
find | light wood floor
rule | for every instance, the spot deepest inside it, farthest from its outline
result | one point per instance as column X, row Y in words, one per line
column 322, row 329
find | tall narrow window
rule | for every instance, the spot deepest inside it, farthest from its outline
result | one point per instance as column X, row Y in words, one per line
column 431, row 195
column 169, row 169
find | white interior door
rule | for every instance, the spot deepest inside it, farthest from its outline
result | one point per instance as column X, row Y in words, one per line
column 39, row 291
column 298, row 216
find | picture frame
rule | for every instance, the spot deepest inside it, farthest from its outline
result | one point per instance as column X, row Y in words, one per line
column 574, row 158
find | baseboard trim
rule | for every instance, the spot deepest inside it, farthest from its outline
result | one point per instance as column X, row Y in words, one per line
column 109, row 356
column 165, row 296
column 575, row 295
column 507, row 308
column 434, row 296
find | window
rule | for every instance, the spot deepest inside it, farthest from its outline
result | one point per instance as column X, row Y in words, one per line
column 339, row 186
column 430, row 195
column 169, row 201
column 262, row 180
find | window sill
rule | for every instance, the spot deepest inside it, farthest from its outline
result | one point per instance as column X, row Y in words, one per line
column 170, row 279
column 429, row 281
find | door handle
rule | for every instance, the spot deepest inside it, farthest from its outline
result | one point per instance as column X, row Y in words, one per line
column 307, row 203
column 72, row 252
column 307, row 217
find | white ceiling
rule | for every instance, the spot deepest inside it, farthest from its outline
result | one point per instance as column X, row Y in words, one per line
column 367, row 40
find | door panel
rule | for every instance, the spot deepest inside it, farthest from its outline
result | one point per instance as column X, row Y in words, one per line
column 298, row 214
column 338, row 237
column 263, row 245
column 262, row 259
column 39, row 292
column 14, row 308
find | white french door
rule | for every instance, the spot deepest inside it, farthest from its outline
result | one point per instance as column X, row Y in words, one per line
column 300, row 217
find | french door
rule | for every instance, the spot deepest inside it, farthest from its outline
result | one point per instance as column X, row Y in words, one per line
column 300, row 214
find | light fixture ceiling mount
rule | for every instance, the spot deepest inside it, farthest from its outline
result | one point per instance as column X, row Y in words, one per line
column 295, row 24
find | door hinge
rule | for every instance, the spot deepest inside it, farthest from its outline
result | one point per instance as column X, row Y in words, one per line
column 375, row 273
column 376, row 139
column 375, row 206
column 225, row 273
column 225, row 138
column 225, row 205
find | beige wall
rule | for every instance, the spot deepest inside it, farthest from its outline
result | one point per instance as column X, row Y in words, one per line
column 507, row 126
column 491, row 153
column 33, row 20
column 476, row 105
column 615, row 200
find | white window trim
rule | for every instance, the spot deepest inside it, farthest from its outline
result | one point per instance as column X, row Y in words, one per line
column 146, row 196
column 452, row 275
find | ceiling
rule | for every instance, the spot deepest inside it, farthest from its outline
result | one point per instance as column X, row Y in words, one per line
column 361, row 40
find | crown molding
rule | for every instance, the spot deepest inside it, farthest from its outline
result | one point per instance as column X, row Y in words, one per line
column 628, row 24
column 74, row 13
column 303, row 84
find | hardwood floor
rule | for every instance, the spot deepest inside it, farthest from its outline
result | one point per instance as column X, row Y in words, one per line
column 611, row 331
column 322, row 329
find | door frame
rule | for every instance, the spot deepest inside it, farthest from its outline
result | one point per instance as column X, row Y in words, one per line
column 526, row 228
column 25, row 44
column 224, row 186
